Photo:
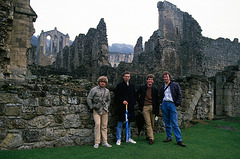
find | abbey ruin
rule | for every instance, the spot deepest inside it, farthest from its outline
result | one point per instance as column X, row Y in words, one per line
column 115, row 58
column 45, row 106
column 47, row 52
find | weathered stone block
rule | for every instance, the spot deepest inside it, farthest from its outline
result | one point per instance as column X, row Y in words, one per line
column 12, row 141
column 3, row 122
column 66, row 91
column 57, row 101
column 54, row 90
column 9, row 98
column 41, row 121
column 45, row 101
column 57, row 110
column 12, row 111
column 1, row 109
column 40, row 110
column 16, row 124
column 25, row 94
column 30, row 136
column 80, row 132
column 73, row 100
column 80, row 108
column 58, row 119
column 85, row 116
column 28, row 109
column 28, row 116
column 72, row 121
column 54, row 133
column 31, row 102
column 3, row 134
column 65, row 141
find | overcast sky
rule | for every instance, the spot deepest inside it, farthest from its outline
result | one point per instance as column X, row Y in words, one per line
column 126, row 20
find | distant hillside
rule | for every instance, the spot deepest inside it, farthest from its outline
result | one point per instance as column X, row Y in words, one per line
column 34, row 40
column 121, row 48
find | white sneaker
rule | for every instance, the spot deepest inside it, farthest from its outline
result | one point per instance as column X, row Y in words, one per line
column 132, row 141
column 118, row 142
column 96, row 146
column 106, row 145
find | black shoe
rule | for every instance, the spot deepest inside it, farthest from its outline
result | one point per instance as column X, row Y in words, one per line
column 151, row 141
column 167, row 140
column 181, row 144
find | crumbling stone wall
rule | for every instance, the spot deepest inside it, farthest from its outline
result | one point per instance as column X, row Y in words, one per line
column 228, row 91
column 220, row 53
column 176, row 45
column 87, row 54
column 51, row 111
column 179, row 47
column 17, row 19
column 6, row 16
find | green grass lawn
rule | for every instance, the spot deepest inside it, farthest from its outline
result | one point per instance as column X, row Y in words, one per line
column 204, row 141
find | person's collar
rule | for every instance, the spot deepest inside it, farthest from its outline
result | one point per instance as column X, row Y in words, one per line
column 100, row 87
column 127, row 82
column 168, row 83
column 149, row 86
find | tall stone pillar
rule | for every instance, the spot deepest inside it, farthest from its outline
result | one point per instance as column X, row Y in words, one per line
column 19, row 35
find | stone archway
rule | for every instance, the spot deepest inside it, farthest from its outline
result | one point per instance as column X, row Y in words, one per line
column 48, row 49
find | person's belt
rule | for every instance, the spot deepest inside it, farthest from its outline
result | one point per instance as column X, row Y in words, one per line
column 168, row 101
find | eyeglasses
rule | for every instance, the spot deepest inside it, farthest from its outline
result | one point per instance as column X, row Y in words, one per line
column 127, row 76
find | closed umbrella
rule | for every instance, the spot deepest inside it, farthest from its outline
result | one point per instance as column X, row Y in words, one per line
column 126, row 119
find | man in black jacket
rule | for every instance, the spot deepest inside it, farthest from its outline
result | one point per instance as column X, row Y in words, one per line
column 147, row 98
column 170, row 97
column 125, row 95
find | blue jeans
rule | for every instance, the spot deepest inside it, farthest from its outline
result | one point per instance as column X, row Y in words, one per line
column 119, row 130
column 169, row 112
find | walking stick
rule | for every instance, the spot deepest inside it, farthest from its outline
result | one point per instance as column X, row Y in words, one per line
column 126, row 119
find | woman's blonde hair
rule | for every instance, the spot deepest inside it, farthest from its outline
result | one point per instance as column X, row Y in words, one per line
column 102, row 79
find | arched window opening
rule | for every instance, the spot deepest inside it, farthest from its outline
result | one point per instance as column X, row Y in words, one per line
column 48, row 46
column 55, row 43
column 61, row 43
column 177, row 31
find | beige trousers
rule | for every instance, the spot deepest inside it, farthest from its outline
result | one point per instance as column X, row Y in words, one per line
column 100, row 126
column 149, row 120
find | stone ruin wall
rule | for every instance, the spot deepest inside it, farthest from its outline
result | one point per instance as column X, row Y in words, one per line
column 87, row 54
column 51, row 111
column 220, row 53
column 16, row 32
column 178, row 46
column 228, row 91
column 6, row 16
column 115, row 58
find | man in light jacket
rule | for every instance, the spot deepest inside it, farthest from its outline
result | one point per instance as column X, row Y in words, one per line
column 99, row 100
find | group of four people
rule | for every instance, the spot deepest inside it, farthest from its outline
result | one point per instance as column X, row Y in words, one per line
column 149, row 100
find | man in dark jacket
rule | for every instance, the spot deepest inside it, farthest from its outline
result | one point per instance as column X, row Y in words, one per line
column 170, row 97
column 147, row 98
column 125, row 95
